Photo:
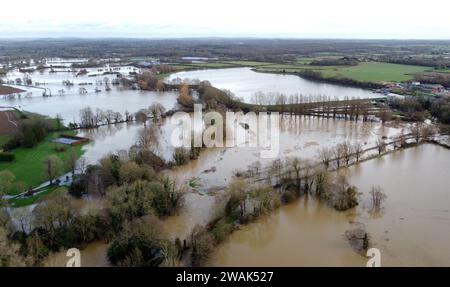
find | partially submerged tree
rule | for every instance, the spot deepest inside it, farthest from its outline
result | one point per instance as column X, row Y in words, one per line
column 344, row 195
column 325, row 156
column 377, row 196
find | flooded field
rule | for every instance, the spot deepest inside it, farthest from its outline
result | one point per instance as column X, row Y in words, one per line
column 244, row 83
column 69, row 103
column 411, row 230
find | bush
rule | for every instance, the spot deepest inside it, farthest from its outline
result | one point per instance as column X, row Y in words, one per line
column 7, row 157
column 139, row 245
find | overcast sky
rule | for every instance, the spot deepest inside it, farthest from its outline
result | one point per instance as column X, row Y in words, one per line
column 388, row 19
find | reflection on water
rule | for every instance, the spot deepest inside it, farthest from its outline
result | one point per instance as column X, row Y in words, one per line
column 305, row 233
column 243, row 82
column 412, row 229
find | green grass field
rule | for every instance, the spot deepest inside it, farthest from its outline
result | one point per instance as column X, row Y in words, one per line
column 27, row 166
column 4, row 139
column 376, row 72
column 20, row 202
column 365, row 72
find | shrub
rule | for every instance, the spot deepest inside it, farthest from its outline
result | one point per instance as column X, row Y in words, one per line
column 139, row 245
column 7, row 157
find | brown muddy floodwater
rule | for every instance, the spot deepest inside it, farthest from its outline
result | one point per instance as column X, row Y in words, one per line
column 412, row 230
column 299, row 136
column 94, row 255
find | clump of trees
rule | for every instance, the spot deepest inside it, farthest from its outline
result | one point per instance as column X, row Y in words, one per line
column 358, row 238
column 184, row 98
column 344, row 61
column 139, row 244
column 419, row 108
column 32, row 130
column 91, row 119
column 149, row 80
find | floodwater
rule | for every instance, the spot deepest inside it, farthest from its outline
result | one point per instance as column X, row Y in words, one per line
column 411, row 230
column 93, row 255
column 68, row 105
column 244, row 83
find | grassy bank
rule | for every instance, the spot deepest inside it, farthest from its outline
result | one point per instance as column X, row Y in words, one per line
column 27, row 166
column 4, row 139
column 24, row 201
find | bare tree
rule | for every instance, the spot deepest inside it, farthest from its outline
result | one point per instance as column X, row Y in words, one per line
column 117, row 117
column 147, row 139
column 295, row 165
column 415, row 131
column 338, row 155
column 358, row 149
column 109, row 116
column 381, row 146
column 157, row 110
column 325, row 155
column 141, row 116
column 346, row 149
column 52, row 167
column 377, row 197
column 87, row 118
column 276, row 168
column 72, row 161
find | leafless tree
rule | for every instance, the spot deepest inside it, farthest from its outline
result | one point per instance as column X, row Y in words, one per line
column 358, row 149
column 157, row 110
column 325, row 155
column 295, row 165
column 147, row 139
column 109, row 116
column 381, row 146
column 141, row 116
column 377, row 197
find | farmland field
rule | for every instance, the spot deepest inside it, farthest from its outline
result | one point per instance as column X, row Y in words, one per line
column 377, row 72
column 365, row 71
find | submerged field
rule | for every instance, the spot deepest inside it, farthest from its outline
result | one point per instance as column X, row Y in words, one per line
column 364, row 71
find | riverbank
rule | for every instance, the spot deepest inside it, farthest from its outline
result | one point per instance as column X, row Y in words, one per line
column 7, row 90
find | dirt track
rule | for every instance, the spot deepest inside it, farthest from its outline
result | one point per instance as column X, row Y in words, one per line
column 8, row 123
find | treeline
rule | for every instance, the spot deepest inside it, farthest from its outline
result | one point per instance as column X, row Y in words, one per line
column 420, row 108
column 434, row 78
column 344, row 61
column 438, row 62
column 317, row 76
column 32, row 130
column 271, row 50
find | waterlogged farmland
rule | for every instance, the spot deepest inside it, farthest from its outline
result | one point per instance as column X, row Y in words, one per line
column 305, row 232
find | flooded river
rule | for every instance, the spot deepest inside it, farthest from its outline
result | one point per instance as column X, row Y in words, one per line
column 244, row 83
column 412, row 230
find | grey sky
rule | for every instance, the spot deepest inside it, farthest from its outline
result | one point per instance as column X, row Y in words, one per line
column 177, row 18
